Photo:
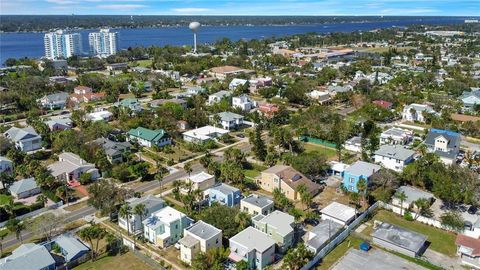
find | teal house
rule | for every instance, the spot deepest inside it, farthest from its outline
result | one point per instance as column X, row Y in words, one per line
column 356, row 171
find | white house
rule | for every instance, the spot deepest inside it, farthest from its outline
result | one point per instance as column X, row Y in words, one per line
column 257, row 204
column 148, row 137
column 396, row 136
column 254, row 247
column 243, row 102
column 54, row 101
column 229, row 120
column 321, row 97
column 201, row 181
column 165, row 226
column 134, row 224
column 199, row 237
column 236, row 82
column 100, row 116
column 217, row 97
column 394, row 157
column 70, row 167
column 354, row 144
column 338, row 212
column 203, row 134
column 415, row 112
column 25, row 139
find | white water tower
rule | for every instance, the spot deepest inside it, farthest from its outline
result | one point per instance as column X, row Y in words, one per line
column 194, row 26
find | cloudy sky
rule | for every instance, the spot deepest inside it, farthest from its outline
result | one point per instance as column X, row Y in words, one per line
column 244, row 7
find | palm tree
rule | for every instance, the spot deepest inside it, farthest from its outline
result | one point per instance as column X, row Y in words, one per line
column 141, row 211
column 188, row 168
column 242, row 219
column 125, row 212
column 16, row 226
column 422, row 204
column 362, row 189
column 176, row 189
column 402, row 197
column 42, row 199
column 159, row 177
column 355, row 200
column 91, row 233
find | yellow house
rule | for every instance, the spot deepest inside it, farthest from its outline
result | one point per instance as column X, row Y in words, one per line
column 287, row 179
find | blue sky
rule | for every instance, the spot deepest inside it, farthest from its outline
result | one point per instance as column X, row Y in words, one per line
column 244, row 7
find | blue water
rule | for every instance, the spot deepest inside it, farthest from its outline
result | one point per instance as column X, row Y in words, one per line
column 17, row 45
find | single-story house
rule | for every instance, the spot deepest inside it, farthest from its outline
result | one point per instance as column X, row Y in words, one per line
column 412, row 195
column 70, row 167
column 54, row 101
column 100, row 116
column 396, row 136
column 337, row 212
column 6, row 165
column 148, row 137
column 399, row 239
column 29, row 257
column 468, row 249
column 59, row 124
column 203, row 134
column 354, row 144
column 218, row 96
column 320, row 235
column 24, row 188
column 113, row 150
column 71, row 248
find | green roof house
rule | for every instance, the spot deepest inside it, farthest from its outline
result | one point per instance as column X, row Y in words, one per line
column 131, row 103
column 149, row 138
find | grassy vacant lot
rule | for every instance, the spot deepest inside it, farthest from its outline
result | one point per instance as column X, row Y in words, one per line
column 329, row 152
column 440, row 240
column 383, row 49
column 338, row 252
column 125, row 261
column 254, row 171
column 144, row 63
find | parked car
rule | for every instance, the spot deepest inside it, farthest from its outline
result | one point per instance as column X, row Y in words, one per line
column 472, row 210
column 240, row 135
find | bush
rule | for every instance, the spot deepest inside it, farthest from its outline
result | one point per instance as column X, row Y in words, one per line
column 408, row 216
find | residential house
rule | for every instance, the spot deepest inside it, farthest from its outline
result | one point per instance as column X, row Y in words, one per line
column 412, row 194
column 257, row 204
column 203, row 134
column 243, row 102
column 193, row 90
column 444, row 143
column 116, row 66
column 268, row 109
column 59, row 124
column 113, row 150
column 354, row 144
column 82, row 90
column 417, row 112
column 6, row 165
column 165, row 226
column 384, row 104
column 54, row 101
column 339, row 213
column 396, row 136
column 287, row 180
column 399, row 239
column 470, row 99
column 223, row 194
column 29, row 257
column 70, row 167
column 254, row 247
column 201, row 181
column 218, row 96
column 199, row 237
column 134, row 224
column 222, row 72
column 335, row 89
column 322, row 97
column 71, row 248
column 148, row 137
column 468, row 249
column 25, row 139
column 103, row 115
column 358, row 170
column 320, row 235
column 24, row 188
column 279, row 226
column 85, row 94
column 237, row 82
column 131, row 104
column 229, row 120
column 394, row 157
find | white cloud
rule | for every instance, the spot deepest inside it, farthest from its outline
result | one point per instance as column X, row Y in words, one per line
column 121, row 6
column 190, row 10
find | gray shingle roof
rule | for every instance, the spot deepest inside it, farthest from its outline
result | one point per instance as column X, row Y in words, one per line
column 18, row 134
column 23, row 185
column 414, row 194
column 229, row 116
column 28, row 257
column 395, row 151
column 71, row 246
column 150, row 201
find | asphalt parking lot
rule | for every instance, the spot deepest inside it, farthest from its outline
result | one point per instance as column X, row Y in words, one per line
column 375, row 259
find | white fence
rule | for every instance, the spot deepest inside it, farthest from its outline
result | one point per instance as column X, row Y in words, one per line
column 422, row 219
column 337, row 240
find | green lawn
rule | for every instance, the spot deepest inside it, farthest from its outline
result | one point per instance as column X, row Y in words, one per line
column 4, row 199
column 440, row 240
column 255, row 171
column 338, row 252
column 329, row 152
column 144, row 63
column 126, row 261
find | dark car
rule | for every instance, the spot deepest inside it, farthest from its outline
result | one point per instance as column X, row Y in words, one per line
column 311, row 221
column 472, row 210
column 240, row 136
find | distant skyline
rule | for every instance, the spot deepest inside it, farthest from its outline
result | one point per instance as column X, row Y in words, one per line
column 243, row 7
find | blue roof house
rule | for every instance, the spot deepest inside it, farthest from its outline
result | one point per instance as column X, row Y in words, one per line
column 71, row 248
column 29, row 257
column 358, row 170
column 224, row 195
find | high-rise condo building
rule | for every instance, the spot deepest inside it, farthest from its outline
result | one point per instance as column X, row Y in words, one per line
column 103, row 43
column 62, row 45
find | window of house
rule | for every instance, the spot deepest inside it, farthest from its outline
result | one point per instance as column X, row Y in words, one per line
column 352, row 180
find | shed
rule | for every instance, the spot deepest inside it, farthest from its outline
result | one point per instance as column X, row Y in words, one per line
column 399, row 239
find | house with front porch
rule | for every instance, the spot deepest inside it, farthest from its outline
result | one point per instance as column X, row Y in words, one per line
column 148, row 137
column 70, row 167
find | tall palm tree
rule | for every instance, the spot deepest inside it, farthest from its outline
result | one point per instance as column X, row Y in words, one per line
column 141, row 211
column 242, row 219
column 159, row 177
column 362, row 189
column 42, row 199
column 188, row 168
column 16, row 226
column 402, row 197
column 125, row 212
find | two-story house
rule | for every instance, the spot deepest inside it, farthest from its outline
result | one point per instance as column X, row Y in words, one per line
column 394, row 157
column 218, row 96
column 113, row 150
column 417, row 112
column 253, row 246
column 356, row 171
column 134, row 224
column 229, row 120
column 396, row 136
column 165, row 226
column 224, row 194
column 148, row 137
column 236, row 83
column 470, row 99
column 444, row 143
column 201, row 181
column 279, row 226
column 54, row 101
column 199, row 237
column 131, row 104
column 287, row 180
column 25, row 139
column 257, row 204
column 244, row 102
column 70, row 167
